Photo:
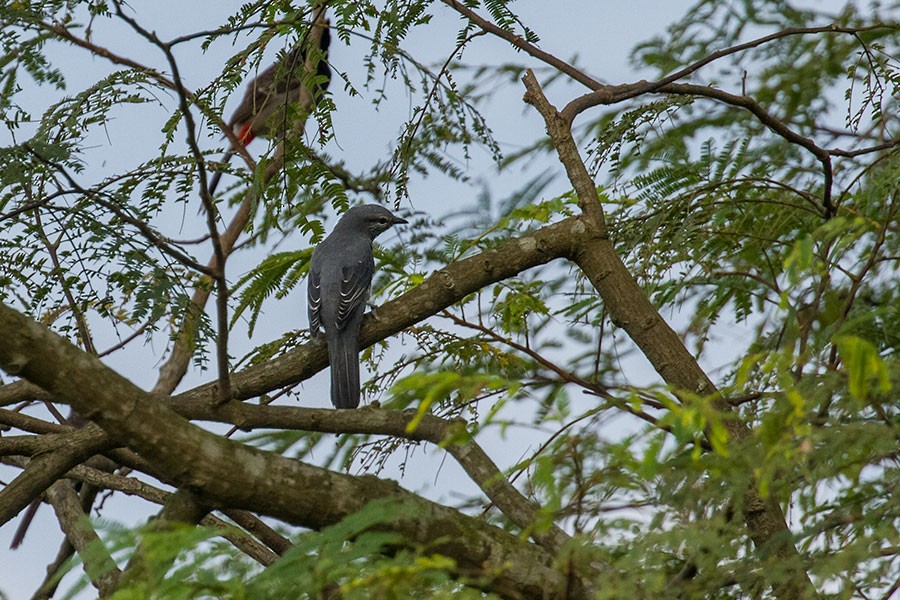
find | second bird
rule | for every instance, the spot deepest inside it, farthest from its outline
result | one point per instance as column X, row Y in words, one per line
column 270, row 97
column 340, row 275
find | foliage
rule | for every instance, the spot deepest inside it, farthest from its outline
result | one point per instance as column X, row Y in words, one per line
column 776, row 263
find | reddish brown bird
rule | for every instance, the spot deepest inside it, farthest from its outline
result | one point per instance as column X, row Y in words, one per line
column 263, row 112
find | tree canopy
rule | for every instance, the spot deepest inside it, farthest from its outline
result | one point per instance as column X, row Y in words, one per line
column 687, row 296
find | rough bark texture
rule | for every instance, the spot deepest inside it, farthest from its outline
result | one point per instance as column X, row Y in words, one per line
column 630, row 309
column 73, row 449
column 99, row 565
column 451, row 435
column 220, row 472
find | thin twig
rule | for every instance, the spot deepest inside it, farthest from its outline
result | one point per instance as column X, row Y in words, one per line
column 212, row 212
column 145, row 230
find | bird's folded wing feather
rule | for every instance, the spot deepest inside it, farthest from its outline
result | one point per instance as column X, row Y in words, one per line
column 355, row 282
column 314, row 300
column 259, row 90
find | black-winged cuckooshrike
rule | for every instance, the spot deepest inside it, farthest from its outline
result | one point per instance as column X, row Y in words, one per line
column 340, row 274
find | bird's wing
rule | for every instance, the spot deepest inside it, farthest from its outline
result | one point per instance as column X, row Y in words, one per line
column 314, row 300
column 257, row 93
column 355, row 282
column 272, row 85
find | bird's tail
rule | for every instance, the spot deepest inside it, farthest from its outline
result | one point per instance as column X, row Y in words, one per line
column 343, row 354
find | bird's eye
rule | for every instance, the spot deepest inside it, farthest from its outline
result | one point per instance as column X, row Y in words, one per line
column 383, row 220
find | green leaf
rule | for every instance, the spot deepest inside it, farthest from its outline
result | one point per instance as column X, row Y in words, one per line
column 863, row 365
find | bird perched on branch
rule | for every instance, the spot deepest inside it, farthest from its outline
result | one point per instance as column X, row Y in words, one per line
column 263, row 112
column 340, row 274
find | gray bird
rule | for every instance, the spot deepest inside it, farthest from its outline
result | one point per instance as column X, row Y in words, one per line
column 340, row 274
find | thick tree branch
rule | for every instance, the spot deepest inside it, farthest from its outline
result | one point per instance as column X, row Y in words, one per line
column 223, row 472
column 451, row 435
column 43, row 470
column 98, row 564
column 246, row 543
column 630, row 309
column 277, row 544
column 448, row 434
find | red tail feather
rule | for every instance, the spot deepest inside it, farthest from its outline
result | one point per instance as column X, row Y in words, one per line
column 245, row 134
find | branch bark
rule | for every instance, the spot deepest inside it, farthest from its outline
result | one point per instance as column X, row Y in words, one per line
column 271, row 544
column 175, row 367
column 46, row 468
column 450, row 435
column 98, row 564
column 630, row 309
column 221, row 472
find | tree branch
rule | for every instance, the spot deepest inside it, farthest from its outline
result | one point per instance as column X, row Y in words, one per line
column 443, row 288
column 227, row 473
column 256, row 527
column 98, row 564
column 175, row 367
column 450, row 435
column 28, row 423
column 43, row 470
column 630, row 309
column 134, row 487
column 522, row 44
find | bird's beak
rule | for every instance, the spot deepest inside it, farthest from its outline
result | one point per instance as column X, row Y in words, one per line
column 399, row 221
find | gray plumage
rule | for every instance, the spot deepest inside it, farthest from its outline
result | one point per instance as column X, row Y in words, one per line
column 340, row 274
